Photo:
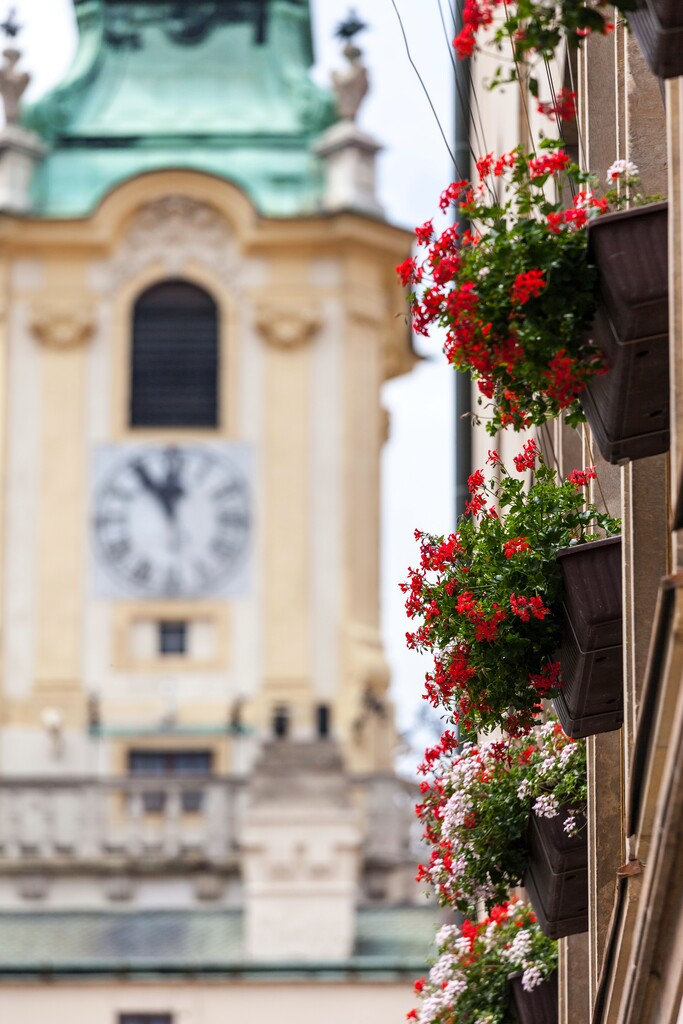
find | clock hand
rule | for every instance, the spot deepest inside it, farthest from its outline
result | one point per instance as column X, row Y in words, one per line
column 156, row 489
column 171, row 490
column 145, row 479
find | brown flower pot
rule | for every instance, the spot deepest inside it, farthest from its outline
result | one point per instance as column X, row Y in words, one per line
column 540, row 1006
column 658, row 27
column 590, row 653
column 556, row 877
column 628, row 407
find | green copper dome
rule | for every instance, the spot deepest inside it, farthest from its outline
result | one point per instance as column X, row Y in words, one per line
column 220, row 86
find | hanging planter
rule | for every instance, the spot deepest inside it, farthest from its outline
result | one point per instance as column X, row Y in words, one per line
column 590, row 653
column 539, row 1006
column 658, row 27
column 488, row 599
column 471, row 976
column 628, row 407
column 556, row 877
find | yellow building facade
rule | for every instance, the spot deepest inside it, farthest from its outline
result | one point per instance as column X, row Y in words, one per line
column 196, row 736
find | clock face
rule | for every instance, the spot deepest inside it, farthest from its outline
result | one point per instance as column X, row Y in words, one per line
column 171, row 521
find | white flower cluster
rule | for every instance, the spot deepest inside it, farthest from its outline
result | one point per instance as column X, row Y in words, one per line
column 553, row 759
column 524, row 789
column 445, row 979
column 462, row 777
column 518, row 951
column 510, row 944
column 446, row 933
column 621, row 169
column 531, row 978
column 432, row 1006
column 547, row 765
column 544, row 734
column 519, row 954
column 545, row 806
column 568, row 753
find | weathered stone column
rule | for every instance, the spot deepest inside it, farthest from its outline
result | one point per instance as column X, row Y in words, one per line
column 300, row 856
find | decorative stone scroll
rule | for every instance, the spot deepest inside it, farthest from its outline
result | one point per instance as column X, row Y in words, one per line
column 174, row 231
column 62, row 325
column 287, row 327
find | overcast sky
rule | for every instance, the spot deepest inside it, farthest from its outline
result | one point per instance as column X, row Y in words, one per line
column 414, row 167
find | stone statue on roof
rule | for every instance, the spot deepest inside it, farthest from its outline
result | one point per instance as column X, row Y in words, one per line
column 13, row 84
column 351, row 84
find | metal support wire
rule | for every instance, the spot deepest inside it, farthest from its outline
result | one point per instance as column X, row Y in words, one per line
column 463, row 392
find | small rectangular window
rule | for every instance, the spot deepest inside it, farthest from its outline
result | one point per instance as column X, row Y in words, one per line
column 172, row 638
column 170, row 762
column 323, row 716
column 145, row 1018
column 192, row 801
column 281, row 721
column 154, row 801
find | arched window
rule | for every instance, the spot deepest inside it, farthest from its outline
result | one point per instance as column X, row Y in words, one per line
column 174, row 364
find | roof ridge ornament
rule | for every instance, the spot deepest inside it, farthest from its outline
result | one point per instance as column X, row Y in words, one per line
column 10, row 26
column 350, row 27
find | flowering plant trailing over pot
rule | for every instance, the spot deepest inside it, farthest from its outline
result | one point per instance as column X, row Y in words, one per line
column 516, row 294
column 468, row 981
column 489, row 595
column 476, row 805
column 535, row 30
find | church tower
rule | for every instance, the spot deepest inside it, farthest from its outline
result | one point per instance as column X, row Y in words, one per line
column 198, row 315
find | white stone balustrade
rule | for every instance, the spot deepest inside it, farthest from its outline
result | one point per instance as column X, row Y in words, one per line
column 88, row 819
column 84, row 820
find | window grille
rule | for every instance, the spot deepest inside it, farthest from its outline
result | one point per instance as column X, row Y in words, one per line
column 172, row 638
column 145, row 1018
column 170, row 762
column 175, row 357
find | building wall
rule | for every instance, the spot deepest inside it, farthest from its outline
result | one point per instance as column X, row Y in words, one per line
column 307, row 1002
column 628, row 967
column 621, row 116
column 308, row 339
